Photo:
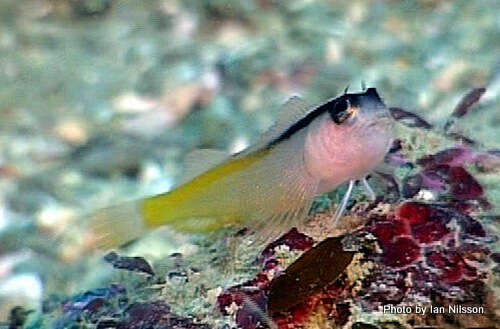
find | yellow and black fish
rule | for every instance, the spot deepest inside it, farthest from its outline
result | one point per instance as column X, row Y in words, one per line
column 310, row 150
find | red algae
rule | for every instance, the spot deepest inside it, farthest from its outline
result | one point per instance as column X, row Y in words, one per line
column 413, row 212
column 474, row 252
column 256, row 297
column 392, row 193
column 293, row 239
column 427, row 223
column 429, row 232
column 401, row 252
column 461, row 156
column 420, row 260
column 452, row 157
column 453, row 267
column 250, row 297
column 463, row 185
column 470, row 227
column 428, row 251
column 296, row 315
column 445, row 171
column 387, row 230
column 395, row 154
column 412, row 185
column 433, row 180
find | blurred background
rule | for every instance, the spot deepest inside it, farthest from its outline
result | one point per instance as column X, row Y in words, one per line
column 100, row 100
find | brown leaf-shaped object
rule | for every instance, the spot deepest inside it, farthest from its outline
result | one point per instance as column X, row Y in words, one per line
column 408, row 118
column 310, row 273
column 468, row 101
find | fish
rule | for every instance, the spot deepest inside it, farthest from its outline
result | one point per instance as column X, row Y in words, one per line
column 269, row 186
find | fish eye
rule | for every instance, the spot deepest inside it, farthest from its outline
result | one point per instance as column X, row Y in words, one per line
column 340, row 111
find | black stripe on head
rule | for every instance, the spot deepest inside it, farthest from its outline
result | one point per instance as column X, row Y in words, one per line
column 300, row 124
column 332, row 106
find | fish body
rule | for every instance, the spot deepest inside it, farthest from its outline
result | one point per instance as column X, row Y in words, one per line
column 310, row 150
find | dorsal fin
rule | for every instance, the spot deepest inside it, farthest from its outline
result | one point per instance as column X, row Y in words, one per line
column 294, row 109
column 201, row 160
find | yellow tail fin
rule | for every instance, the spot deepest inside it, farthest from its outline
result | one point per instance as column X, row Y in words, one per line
column 189, row 207
column 113, row 226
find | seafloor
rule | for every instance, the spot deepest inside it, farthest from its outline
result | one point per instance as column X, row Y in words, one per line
column 100, row 100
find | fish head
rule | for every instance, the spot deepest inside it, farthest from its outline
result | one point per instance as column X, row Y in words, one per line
column 350, row 139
